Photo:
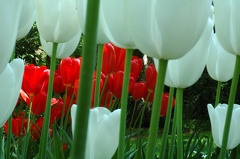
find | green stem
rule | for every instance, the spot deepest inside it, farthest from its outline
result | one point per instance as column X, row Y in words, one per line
column 9, row 137
column 172, row 141
column 217, row 100
column 133, row 113
column 156, row 109
column 231, row 100
column 85, row 85
column 167, row 124
column 64, row 107
column 124, row 99
column 44, row 134
column 1, row 143
column 179, row 123
column 98, row 78
column 29, row 114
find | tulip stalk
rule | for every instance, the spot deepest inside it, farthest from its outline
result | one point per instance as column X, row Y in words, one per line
column 98, row 77
column 124, row 99
column 9, row 136
column 44, row 135
column 173, row 136
column 231, row 99
column 85, row 85
column 153, row 130
column 217, row 100
column 179, row 123
column 167, row 124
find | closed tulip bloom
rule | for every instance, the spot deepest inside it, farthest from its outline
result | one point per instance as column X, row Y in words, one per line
column 185, row 71
column 69, row 70
column 10, row 83
column 109, row 59
column 227, row 22
column 117, row 22
column 165, row 98
column 139, row 90
column 220, row 65
column 57, row 20
column 151, row 77
column 217, row 117
column 34, row 79
column 64, row 49
column 167, row 29
column 103, row 131
column 27, row 18
column 9, row 17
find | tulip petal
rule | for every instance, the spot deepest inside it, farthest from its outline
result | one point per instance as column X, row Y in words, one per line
column 9, row 17
column 106, row 141
column 11, row 80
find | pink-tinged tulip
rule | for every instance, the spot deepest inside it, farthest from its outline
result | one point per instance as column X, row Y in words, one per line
column 64, row 49
column 57, row 20
column 220, row 65
column 9, row 16
column 217, row 117
column 167, row 29
column 10, row 83
column 27, row 18
column 103, row 131
column 185, row 71
column 227, row 22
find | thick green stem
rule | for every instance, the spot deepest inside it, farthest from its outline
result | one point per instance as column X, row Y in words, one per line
column 98, row 78
column 217, row 100
column 179, row 123
column 231, row 100
column 1, row 143
column 167, row 124
column 124, row 100
column 86, row 77
column 153, row 130
column 44, row 134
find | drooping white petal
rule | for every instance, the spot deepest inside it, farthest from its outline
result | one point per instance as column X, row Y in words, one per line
column 10, row 81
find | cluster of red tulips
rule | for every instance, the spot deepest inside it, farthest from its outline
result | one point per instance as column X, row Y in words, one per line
column 33, row 94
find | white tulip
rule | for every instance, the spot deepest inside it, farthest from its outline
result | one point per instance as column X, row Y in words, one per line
column 57, row 20
column 220, row 65
column 9, row 17
column 64, row 49
column 217, row 117
column 10, row 83
column 103, row 132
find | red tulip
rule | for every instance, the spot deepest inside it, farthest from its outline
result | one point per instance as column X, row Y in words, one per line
column 58, row 86
column 151, row 77
column 39, row 103
column 139, row 90
column 19, row 125
column 120, row 59
column 116, row 83
column 69, row 69
column 136, row 67
column 34, row 79
column 165, row 98
column 109, row 59
column 36, row 128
